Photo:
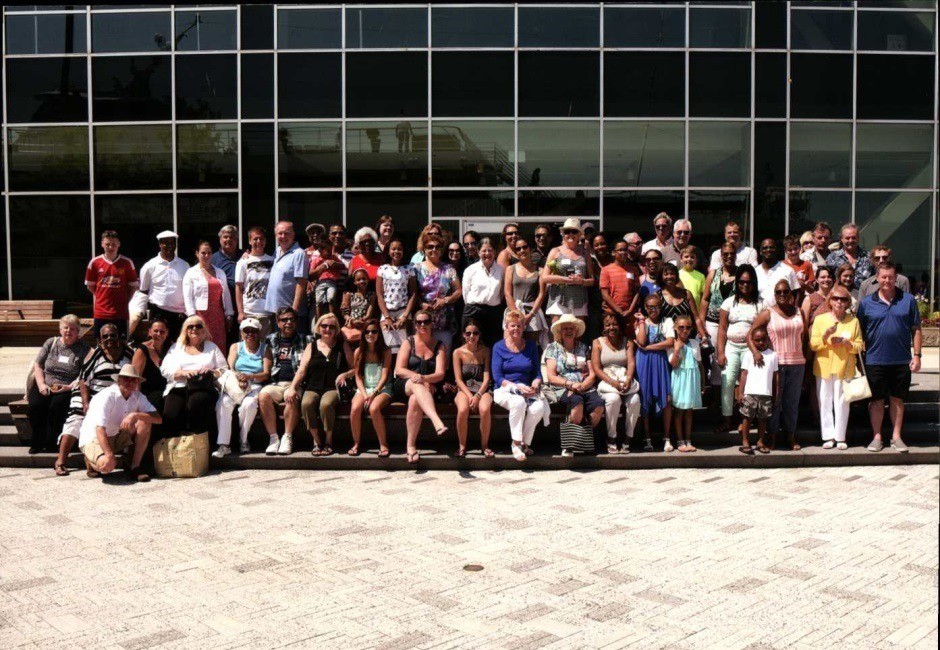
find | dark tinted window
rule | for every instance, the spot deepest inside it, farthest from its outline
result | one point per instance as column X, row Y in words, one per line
column 205, row 30
column 559, row 26
column 206, row 87
column 257, row 27
column 304, row 208
column 898, row 87
column 554, row 153
column 820, row 154
column 770, row 85
column 476, row 204
column 207, row 155
column 709, row 211
column 46, row 34
column 410, row 210
column 387, row 154
column 131, row 32
column 719, row 154
column 809, row 208
column 476, row 84
column 644, row 154
column 133, row 157
column 770, row 160
column 632, row 211
column 137, row 218
column 200, row 216
column 771, row 24
column 642, row 27
column 47, row 90
column 309, row 28
column 882, row 30
column 381, row 27
column 559, row 84
column 560, row 203
column 722, row 28
column 131, row 88
column 821, row 30
column 472, row 26
column 258, row 86
column 309, row 85
column 257, row 144
column 821, row 85
column 719, row 84
column 310, row 154
column 472, row 153
column 644, row 84
column 386, row 84
column 48, row 158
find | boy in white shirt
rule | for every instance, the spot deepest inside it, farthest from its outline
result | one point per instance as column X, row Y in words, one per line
column 758, row 388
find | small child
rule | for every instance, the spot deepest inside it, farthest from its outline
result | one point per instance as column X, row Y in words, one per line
column 692, row 280
column 688, row 378
column 328, row 271
column 358, row 307
column 654, row 336
column 760, row 387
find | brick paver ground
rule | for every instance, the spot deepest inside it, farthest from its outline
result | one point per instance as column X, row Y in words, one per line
column 804, row 558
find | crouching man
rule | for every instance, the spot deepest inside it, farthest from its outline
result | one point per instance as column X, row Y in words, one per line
column 118, row 418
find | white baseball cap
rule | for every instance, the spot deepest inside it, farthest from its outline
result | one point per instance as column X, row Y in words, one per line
column 167, row 234
column 250, row 322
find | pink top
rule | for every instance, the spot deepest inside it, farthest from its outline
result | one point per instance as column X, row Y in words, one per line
column 786, row 335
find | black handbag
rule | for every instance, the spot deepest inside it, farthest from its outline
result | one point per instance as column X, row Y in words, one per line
column 201, row 382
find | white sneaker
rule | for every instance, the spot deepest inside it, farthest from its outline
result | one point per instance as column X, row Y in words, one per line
column 829, row 444
column 667, row 447
column 272, row 446
column 567, row 453
column 518, row 453
column 287, row 445
column 842, row 446
column 245, row 448
column 222, row 451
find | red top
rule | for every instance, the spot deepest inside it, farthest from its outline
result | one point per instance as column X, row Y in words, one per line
column 112, row 284
column 371, row 265
column 804, row 274
column 621, row 283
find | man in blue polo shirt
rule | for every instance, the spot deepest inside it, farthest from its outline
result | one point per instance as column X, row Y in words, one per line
column 287, row 284
column 890, row 324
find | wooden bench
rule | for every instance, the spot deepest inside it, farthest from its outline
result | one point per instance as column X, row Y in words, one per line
column 30, row 323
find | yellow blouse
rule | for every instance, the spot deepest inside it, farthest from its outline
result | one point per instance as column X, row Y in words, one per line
column 835, row 360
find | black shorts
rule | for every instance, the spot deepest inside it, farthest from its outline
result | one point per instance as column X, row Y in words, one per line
column 889, row 381
column 590, row 400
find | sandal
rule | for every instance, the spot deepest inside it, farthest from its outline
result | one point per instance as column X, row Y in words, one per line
column 61, row 469
column 327, row 451
column 489, row 453
column 772, row 441
column 527, row 450
column 92, row 473
column 353, row 451
column 612, row 446
column 460, row 453
column 384, row 453
column 794, row 445
column 316, row 451
column 442, row 431
column 413, row 457
column 762, row 448
column 746, row 450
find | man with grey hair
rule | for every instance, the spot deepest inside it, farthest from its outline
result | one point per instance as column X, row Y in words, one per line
column 662, row 224
column 681, row 240
column 852, row 253
column 226, row 258
column 634, row 246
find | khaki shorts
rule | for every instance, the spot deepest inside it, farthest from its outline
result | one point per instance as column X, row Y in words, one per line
column 119, row 444
column 276, row 391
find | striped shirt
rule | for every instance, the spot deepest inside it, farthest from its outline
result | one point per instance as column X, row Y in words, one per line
column 786, row 335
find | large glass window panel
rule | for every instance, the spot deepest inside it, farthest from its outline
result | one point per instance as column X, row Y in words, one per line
column 720, row 84
column 206, row 87
column 770, row 179
column 770, row 22
column 473, row 84
column 138, row 218
column 472, row 153
column 820, row 154
column 900, row 220
column 720, row 28
column 257, row 91
column 304, row 208
column 770, row 85
column 310, row 154
column 257, row 143
column 719, row 154
column 643, row 27
column 313, row 29
column 46, row 34
column 205, row 30
column 409, row 209
column 207, row 156
column 27, row 8
column 309, row 85
column 472, row 204
column 644, row 154
column 644, row 84
column 894, row 155
column 896, row 31
column 65, row 224
column 387, row 154
column 51, row 89
column 821, row 86
column 4, row 277
column 131, row 88
column 559, row 203
column 257, row 27
column 896, row 87
column 200, row 216
column 902, row 4
column 558, row 154
column 809, row 208
column 48, row 158
column 133, row 157
column 472, row 26
column 386, row 84
column 132, row 32
column 821, row 30
column 710, row 211
column 559, row 26
column 375, row 27
column 559, row 84
column 632, row 211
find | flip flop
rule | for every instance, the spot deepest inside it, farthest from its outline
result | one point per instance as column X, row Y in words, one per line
column 460, row 453
column 61, row 469
column 384, row 453
column 327, row 451
column 489, row 453
column 353, row 451
column 413, row 458
column 746, row 450
column 764, row 449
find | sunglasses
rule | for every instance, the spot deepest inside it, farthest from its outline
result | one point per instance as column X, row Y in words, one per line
column 195, row 326
column 782, row 292
column 881, row 258
column 570, row 232
column 422, row 322
column 662, row 226
column 511, row 233
column 289, row 319
column 519, row 249
column 683, row 327
column 682, row 232
column 650, row 260
column 327, row 326
column 471, row 243
column 250, row 331
column 541, row 235
column 372, row 332
column 840, row 299
column 432, row 247
column 471, row 333
column 453, row 251
column 108, row 337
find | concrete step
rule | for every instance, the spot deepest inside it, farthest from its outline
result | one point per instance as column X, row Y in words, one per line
column 5, row 416
column 8, row 436
column 8, row 395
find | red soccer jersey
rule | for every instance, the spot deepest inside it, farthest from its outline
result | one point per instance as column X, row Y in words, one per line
column 112, row 285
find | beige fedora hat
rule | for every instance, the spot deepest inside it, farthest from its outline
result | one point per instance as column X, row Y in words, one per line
column 129, row 371
column 568, row 319
column 572, row 224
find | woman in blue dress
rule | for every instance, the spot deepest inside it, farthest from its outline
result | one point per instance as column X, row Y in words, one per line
column 654, row 337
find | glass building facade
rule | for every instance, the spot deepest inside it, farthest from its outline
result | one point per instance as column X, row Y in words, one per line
column 777, row 114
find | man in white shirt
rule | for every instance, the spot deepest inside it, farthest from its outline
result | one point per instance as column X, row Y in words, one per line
column 119, row 417
column 161, row 278
column 744, row 254
column 770, row 272
column 251, row 281
column 662, row 224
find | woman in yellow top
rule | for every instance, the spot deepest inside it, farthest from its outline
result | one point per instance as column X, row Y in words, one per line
column 837, row 341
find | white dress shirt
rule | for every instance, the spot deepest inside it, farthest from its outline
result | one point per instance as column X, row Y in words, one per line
column 108, row 409
column 482, row 286
column 178, row 359
column 745, row 255
column 767, row 279
column 196, row 291
column 654, row 243
column 163, row 282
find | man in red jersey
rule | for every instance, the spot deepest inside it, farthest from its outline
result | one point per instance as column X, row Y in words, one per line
column 112, row 279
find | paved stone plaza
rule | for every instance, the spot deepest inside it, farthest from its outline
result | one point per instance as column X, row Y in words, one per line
column 808, row 558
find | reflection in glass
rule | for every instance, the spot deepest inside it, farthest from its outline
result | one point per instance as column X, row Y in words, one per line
column 381, row 27
column 821, row 86
column 472, row 154
column 821, row 30
column 720, row 84
column 719, row 154
column 719, row 28
column 133, row 157
column 559, row 203
column 308, row 28
column 207, row 155
column 894, row 31
column 770, row 23
column 409, row 209
column 206, row 87
column 890, row 218
column 631, row 211
column 48, row 158
column 896, row 87
column 199, row 216
column 387, row 84
column 51, row 89
column 257, row 26
column 559, row 26
column 471, row 84
column 472, row 26
column 820, row 154
column 310, row 154
column 309, row 85
column 205, row 30
column 472, row 204
column 770, row 85
column 559, row 84
column 257, row 92
column 710, row 211
column 894, row 155
column 137, row 218
column 387, row 154
column 558, row 154
column 131, row 32
column 257, row 171
column 644, row 84
column 809, row 208
column 304, row 208
column 770, row 178
column 644, row 154
column 131, row 88
column 641, row 27
column 46, row 34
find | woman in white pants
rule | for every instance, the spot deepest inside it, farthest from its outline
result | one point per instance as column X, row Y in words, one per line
column 251, row 361
column 837, row 341
column 517, row 377
column 612, row 356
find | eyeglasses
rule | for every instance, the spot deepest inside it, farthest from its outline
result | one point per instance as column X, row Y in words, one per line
column 432, row 247
column 287, row 319
column 423, row 322
column 471, row 333
column 881, row 258
column 840, row 298
column 519, row 249
column 327, row 326
column 781, row 292
column 453, row 251
column 108, row 337
column 682, row 232
column 372, row 332
column 195, row 326
column 366, row 242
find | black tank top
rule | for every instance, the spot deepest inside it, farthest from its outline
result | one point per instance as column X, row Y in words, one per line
column 418, row 364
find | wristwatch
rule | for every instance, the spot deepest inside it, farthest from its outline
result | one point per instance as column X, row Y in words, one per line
column 918, row 354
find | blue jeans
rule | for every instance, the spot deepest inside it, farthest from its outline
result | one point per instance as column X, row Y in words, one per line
column 786, row 409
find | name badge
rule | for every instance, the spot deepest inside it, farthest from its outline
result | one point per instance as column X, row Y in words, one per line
column 630, row 276
column 64, row 359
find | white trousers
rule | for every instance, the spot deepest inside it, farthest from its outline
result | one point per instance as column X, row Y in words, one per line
column 613, row 402
column 247, row 411
column 833, row 410
column 523, row 418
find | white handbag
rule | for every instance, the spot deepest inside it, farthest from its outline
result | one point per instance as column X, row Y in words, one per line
column 231, row 387
column 856, row 388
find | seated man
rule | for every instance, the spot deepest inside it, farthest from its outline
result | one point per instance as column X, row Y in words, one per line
column 118, row 417
column 287, row 346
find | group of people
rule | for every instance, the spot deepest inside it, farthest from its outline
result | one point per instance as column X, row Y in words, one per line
column 604, row 326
